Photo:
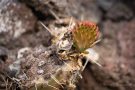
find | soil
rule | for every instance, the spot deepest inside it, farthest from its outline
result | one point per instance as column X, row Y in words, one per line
column 20, row 27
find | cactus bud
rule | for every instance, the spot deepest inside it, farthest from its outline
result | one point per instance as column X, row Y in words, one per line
column 84, row 35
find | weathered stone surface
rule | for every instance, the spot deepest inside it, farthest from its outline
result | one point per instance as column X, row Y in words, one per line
column 119, row 11
column 106, row 4
column 15, row 20
column 117, row 56
column 126, row 39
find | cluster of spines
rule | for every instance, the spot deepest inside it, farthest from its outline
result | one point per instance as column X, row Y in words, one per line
column 84, row 35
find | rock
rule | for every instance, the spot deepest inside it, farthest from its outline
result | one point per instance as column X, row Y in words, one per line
column 64, row 8
column 122, row 33
column 106, row 4
column 84, row 10
column 126, row 39
column 119, row 11
column 116, row 10
column 116, row 56
column 15, row 20
column 3, row 54
column 90, row 11
column 111, row 29
column 45, row 9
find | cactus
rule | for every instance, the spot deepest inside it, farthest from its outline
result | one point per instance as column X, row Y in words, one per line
column 45, row 68
column 84, row 35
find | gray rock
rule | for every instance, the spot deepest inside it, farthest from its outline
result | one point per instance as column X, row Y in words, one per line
column 15, row 20
column 106, row 4
column 119, row 11
column 3, row 53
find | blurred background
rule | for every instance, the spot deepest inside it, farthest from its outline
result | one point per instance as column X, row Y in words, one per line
column 19, row 27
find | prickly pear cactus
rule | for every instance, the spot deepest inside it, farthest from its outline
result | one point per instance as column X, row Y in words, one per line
column 84, row 35
column 44, row 69
column 59, row 66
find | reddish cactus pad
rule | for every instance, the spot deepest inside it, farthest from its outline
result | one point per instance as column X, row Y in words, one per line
column 84, row 35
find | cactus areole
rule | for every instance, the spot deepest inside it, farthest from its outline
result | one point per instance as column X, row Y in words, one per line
column 84, row 34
